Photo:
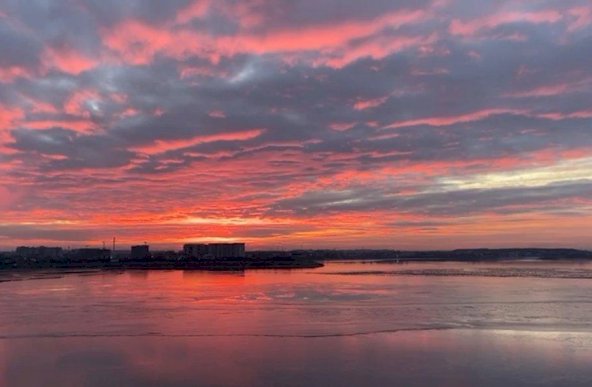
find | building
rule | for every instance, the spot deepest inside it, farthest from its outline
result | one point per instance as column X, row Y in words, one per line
column 140, row 252
column 89, row 254
column 214, row 250
column 227, row 250
column 168, row 255
column 40, row 252
column 196, row 250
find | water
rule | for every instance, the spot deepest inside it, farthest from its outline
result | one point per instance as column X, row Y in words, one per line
column 446, row 324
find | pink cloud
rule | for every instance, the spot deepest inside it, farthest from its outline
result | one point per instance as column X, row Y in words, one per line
column 76, row 103
column 342, row 126
column 8, row 198
column 323, row 36
column 562, row 116
column 78, row 125
column 189, row 71
column 8, row 74
column 554, row 89
column 9, row 116
column 369, row 103
column 458, row 119
column 472, row 27
column 165, row 145
column 137, row 43
column 68, row 60
column 129, row 112
column 217, row 114
column 238, row 179
column 247, row 13
column 377, row 48
column 41, row 107
column 581, row 17
column 195, row 10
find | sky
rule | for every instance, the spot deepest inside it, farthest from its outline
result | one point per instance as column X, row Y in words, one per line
column 296, row 123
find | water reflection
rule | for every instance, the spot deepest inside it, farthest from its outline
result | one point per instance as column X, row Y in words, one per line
column 293, row 328
column 454, row 358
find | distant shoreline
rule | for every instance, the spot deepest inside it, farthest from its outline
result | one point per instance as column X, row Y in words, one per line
column 458, row 255
column 295, row 259
column 204, row 265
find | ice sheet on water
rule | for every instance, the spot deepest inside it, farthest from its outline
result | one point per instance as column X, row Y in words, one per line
column 567, row 273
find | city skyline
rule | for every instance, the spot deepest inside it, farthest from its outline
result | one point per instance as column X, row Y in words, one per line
column 413, row 125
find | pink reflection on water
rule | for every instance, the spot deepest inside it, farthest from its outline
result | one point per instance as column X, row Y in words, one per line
column 293, row 328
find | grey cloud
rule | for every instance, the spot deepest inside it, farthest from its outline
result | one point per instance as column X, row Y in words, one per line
column 452, row 203
column 28, row 232
column 281, row 13
column 18, row 49
column 109, row 12
column 79, row 151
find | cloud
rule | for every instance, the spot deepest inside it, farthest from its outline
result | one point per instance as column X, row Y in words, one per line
column 330, row 121
column 460, row 202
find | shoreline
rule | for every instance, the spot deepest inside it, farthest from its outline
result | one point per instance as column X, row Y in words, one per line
column 223, row 265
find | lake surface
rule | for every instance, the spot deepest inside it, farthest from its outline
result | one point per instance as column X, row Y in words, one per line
column 347, row 324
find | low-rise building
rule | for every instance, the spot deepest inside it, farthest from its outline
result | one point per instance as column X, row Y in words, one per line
column 168, row 255
column 140, row 252
column 39, row 252
column 195, row 250
column 227, row 250
column 89, row 254
column 214, row 250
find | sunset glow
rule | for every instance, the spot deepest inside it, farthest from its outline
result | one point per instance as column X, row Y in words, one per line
column 424, row 124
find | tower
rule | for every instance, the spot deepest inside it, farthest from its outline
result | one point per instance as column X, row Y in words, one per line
column 113, row 250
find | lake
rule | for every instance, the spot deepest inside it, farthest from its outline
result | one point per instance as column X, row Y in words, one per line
column 346, row 324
